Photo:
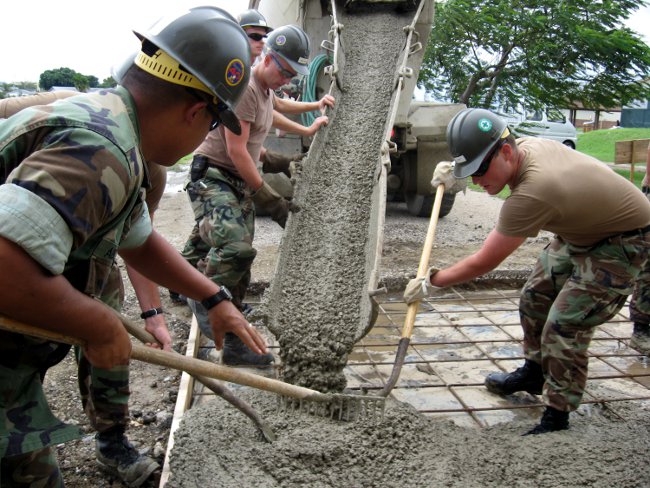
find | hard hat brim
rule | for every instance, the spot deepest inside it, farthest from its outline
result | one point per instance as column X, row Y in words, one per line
column 468, row 169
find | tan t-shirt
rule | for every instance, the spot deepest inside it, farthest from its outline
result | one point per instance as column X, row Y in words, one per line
column 573, row 195
column 255, row 107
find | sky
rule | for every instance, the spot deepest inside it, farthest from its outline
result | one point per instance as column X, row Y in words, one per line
column 90, row 37
column 85, row 35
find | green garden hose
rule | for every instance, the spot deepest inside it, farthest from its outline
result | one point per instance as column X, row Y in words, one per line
column 309, row 87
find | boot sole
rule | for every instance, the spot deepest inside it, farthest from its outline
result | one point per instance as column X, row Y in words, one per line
column 495, row 388
column 113, row 471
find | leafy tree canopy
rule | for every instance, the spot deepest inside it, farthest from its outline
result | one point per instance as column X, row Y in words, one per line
column 498, row 53
column 66, row 77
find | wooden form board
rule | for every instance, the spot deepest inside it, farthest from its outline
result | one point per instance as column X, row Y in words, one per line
column 183, row 400
column 631, row 152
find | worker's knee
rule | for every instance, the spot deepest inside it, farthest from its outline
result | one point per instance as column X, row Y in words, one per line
column 229, row 263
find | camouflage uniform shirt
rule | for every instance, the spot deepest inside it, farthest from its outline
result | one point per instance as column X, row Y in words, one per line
column 71, row 175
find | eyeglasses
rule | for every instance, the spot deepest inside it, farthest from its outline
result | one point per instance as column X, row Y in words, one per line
column 216, row 118
column 283, row 71
column 485, row 165
column 256, row 37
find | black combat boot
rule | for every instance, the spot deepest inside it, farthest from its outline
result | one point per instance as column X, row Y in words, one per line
column 236, row 353
column 116, row 455
column 552, row 420
column 527, row 378
column 641, row 338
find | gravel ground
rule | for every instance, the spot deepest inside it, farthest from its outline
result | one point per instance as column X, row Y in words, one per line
column 154, row 389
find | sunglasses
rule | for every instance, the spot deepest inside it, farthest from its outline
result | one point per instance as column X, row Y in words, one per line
column 485, row 165
column 283, row 71
column 216, row 118
column 256, row 37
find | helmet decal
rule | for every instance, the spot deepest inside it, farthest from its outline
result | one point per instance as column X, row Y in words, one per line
column 485, row 124
column 235, row 72
column 280, row 40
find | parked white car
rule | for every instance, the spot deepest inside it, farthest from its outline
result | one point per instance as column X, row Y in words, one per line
column 550, row 124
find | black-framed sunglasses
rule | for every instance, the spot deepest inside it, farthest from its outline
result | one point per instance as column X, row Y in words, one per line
column 283, row 71
column 216, row 119
column 485, row 165
column 256, row 37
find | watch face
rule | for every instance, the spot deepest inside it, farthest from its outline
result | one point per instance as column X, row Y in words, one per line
column 226, row 293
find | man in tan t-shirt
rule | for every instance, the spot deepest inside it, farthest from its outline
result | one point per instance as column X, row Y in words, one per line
column 582, row 278
column 225, row 181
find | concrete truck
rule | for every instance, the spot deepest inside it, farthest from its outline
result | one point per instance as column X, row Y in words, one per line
column 417, row 141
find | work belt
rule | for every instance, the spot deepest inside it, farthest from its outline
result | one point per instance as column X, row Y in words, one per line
column 200, row 167
column 636, row 232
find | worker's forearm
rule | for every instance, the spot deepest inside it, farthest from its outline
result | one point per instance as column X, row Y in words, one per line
column 246, row 167
column 32, row 295
column 288, row 106
column 145, row 290
column 283, row 123
column 464, row 270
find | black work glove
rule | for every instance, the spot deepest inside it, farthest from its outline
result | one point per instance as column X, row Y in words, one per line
column 273, row 162
column 277, row 206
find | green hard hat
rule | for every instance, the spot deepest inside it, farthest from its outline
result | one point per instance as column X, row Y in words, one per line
column 471, row 135
column 292, row 44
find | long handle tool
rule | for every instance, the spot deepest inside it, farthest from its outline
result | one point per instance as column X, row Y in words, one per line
column 216, row 387
column 334, row 405
column 412, row 310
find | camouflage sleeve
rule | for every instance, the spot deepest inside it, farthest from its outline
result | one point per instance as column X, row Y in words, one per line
column 139, row 228
column 157, row 182
column 79, row 177
column 30, row 222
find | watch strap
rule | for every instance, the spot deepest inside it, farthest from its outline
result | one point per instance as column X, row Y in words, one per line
column 217, row 298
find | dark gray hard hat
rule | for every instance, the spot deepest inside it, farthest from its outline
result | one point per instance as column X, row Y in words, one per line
column 471, row 135
column 119, row 70
column 203, row 48
column 292, row 44
column 252, row 18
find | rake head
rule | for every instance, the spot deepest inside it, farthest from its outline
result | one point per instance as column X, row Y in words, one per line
column 336, row 406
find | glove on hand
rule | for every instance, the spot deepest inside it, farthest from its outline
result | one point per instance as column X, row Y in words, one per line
column 273, row 162
column 444, row 175
column 419, row 288
column 277, row 206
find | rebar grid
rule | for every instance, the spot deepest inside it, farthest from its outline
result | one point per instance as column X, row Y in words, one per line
column 462, row 336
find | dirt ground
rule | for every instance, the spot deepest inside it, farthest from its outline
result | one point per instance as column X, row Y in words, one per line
column 154, row 389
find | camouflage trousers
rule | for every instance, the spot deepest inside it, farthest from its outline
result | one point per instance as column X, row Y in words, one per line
column 28, row 459
column 571, row 291
column 105, row 392
column 36, row 469
column 221, row 242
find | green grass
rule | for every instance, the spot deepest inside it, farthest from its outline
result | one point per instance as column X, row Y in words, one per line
column 599, row 144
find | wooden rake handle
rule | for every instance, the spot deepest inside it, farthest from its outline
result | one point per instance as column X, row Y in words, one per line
column 412, row 310
column 195, row 367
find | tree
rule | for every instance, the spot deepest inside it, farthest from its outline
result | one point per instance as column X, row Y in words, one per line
column 66, row 77
column 108, row 83
column 488, row 53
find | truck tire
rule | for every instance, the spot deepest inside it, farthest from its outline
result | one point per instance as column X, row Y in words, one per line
column 421, row 205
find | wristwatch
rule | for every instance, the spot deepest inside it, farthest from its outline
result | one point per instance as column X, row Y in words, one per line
column 217, row 298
